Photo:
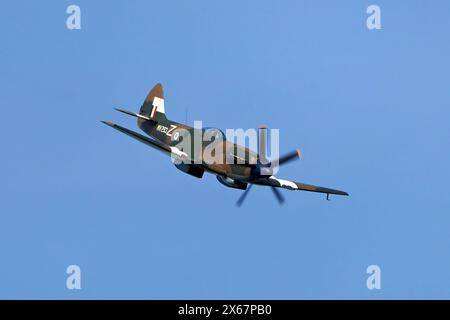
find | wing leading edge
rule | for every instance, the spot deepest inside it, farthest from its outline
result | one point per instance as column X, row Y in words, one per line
column 292, row 185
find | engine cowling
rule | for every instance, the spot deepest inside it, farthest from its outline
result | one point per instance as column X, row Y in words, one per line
column 231, row 183
column 191, row 169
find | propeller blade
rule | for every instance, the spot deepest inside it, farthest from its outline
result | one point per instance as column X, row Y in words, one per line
column 278, row 195
column 262, row 144
column 293, row 155
column 243, row 195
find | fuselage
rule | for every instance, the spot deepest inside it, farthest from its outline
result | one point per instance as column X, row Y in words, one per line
column 215, row 155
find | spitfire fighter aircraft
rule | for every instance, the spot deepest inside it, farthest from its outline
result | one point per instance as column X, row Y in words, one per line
column 240, row 169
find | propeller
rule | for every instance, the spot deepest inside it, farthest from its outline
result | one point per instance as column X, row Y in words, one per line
column 264, row 167
column 275, row 191
column 278, row 195
column 293, row 155
column 243, row 196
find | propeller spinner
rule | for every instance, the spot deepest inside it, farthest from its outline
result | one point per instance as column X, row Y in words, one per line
column 264, row 167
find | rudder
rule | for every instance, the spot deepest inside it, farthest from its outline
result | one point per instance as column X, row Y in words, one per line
column 153, row 106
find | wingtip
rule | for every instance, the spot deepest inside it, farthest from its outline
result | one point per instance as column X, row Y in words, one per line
column 123, row 110
column 108, row 123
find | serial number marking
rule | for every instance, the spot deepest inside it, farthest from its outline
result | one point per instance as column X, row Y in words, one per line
column 166, row 130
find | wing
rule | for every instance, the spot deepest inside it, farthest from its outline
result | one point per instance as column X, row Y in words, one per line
column 312, row 188
column 292, row 185
column 173, row 151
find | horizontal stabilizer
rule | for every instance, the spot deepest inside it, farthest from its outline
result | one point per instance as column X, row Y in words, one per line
column 140, row 116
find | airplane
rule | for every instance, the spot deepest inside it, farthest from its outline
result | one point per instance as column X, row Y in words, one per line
column 253, row 169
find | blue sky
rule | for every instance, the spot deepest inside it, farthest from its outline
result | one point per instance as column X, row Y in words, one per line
column 370, row 110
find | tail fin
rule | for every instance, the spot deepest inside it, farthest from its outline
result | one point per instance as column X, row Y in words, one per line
column 153, row 106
